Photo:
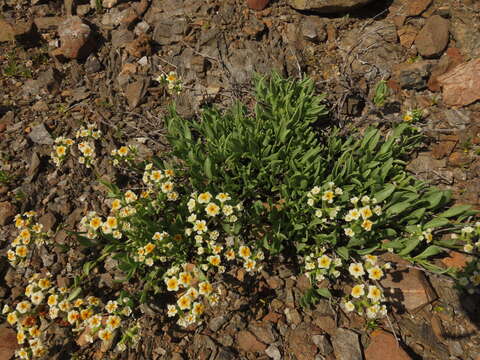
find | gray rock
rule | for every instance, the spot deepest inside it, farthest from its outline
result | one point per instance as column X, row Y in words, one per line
column 328, row 6
column 414, row 76
column 216, row 323
column 135, row 92
column 48, row 81
column 92, row 65
column 313, row 29
column 40, row 135
column 346, row 345
column 323, row 344
column 273, row 352
column 7, row 212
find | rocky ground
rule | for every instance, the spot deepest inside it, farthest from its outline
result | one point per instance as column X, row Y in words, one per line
column 66, row 63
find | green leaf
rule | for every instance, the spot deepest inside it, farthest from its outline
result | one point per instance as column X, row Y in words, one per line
column 207, row 167
column 324, row 292
column 74, row 293
column 385, row 193
column 343, row 252
column 410, row 245
column 88, row 266
column 399, row 208
column 436, row 222
column 430, row 251
column 455, row 211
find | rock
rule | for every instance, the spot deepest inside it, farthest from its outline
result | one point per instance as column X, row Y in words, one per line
column 48, row 81
column 45, row 23
column 75, row 38
column 433, row 38
column 413, row 76
column 459, row 159
column 216, row 323
column 135, row 92
column 8, row 342
column 455, row 259
column 325, row 322
column 168, row 32
column 300, row 341
column 263, row 331
column 109, row 3
column 384, row 346
column 7, row 212
column 346, row 345
column 406, row 287
column 407, row 35
column 466, row 39
column 7, row 32
column 40, row 135
column 328, row 6
column 257, row 4
column 33, row 167
column 273, row 352
column 48, row 221
column 139, row 47
column 461, row 85
column 443, row 149
column 313, row 29
column 121, row 37
column 92, row 65
column 323, row 344
column 248, row 342
column 293, row 316
column 416, row 7
column 25, row 33
column 447, row 62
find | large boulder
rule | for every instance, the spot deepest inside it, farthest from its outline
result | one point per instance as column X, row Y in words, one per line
column 328, row 6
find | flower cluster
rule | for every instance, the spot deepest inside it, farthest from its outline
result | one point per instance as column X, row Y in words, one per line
column 356, row 216
column 124, row 154
column 61, row 149
column 30, row 233
column 172, row 81
column 160, row 182
column 470, row 237
column 86, row 137
column 468, row 279
column 413, row 115
column 366, row 297
column 45, row 302
column 320, row 266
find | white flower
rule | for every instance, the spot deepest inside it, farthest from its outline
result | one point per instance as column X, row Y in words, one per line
column 356, row 270
column 348, row 306
column 349, row 232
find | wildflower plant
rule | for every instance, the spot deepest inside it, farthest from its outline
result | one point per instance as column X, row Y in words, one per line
column 172, row 82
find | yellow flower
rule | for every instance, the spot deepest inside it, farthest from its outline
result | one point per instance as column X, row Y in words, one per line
column 244, row 252
column 222, row 197
column 113, row 322
column 184, row 302
column 356, row 270
column 249, row 265
column 19, row 222
column 375, row 273
column 408, row 116
column 205, row 288
column 20, row 337
column 64, row 305
column 200, row 226
column 112, row 222
column 185, row 278
column 52, row 300
column 354, row 214
column 96, row 222
column 12, row 318
column 60, row 150
column 156, row 175
column 95, row 321
column 192, row 293
column 366, row 212
column 367, row 225
column 372, row 259
column 37, row 298
column 169, row 172
column 324, row 262
column 358, row 291
column 78, row 303
column 149, row 248
column 328, row 196
column 94, row 301
column 204, row 198
column 25, row 234
column 11, row 255
column 172, row 284
column 198, row 309
column 116, row 204
column 167, row 187
column 73, row 316
column 230, row 254
column 37, row 228
column 86, row 313
column 374, row 293
column 212, row 209
column 21, row 251
column 34, row 331
column 123, row 151
column 214, row 260
column 130, row 196
column 348, row 306
column 44, row 283
column 105, row 335
column 111, row 306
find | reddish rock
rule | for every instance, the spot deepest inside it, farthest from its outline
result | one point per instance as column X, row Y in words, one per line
column 8, row 342
column 443, row 149
column 47, row 22
column 248, row 342
column 449, row 61
column 456, row 259
column 416, row 7
column 458, row 159
column 272, row 317
column 257, row 4
column 75, row 38
column 461, row 85
column 407, row 35
column 7, row 31
column 384, row 346
column 433, row 38
column 406, row 287
column 300, row 342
